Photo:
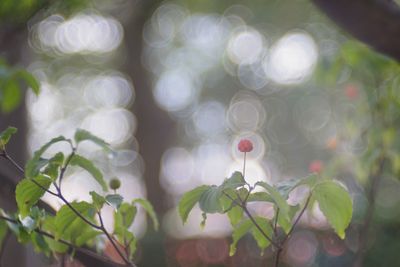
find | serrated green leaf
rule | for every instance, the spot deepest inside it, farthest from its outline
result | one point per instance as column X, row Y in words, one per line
column 279, row 200
column 265, row 225
column 83, row 135
column 65, row 217
column 236, row 180
column 98, row 201
column 188, row 200
column 238, row 232
column 86, row 164
column 33, row 166
column 28, row 193
column 146, row 205
column 286, row 223
column 49, row 226
column 336, row 204
column 114, row 200
column 209, row 201
column 6, row 135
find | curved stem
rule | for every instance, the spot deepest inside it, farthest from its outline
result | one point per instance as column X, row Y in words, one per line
column 83, row 250
column 123, row 257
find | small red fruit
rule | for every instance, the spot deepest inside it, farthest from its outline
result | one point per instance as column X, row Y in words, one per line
column 245, row 145
column 316, row 166
column 351, row 91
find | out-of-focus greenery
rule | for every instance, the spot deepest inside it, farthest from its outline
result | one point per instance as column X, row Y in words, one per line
column 11, row 80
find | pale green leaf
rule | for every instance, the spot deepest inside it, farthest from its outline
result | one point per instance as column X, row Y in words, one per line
column 209, row 201
column 336, row 204
column 6, row 135
column 279, row 200
column 28, row 193
column 114, row 200
column 86, row 164
column 83, row 135
column 146, row 205
column 189, row 199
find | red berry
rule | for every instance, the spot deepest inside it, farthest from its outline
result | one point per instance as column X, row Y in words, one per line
column 316, row 166
column 351, row 92
column 245, row 145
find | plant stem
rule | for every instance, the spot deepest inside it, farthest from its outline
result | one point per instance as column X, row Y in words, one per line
column 83, row 250
column 113, row 242
column 244, row 164
column 282, row 243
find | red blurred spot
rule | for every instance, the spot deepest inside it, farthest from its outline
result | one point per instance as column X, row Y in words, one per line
column 212, row 251
column 186, row 254
column 332, row 143
column 333, row 245
column 316, row 166
column 245, row 145
column 112, row 253
column 351, row 91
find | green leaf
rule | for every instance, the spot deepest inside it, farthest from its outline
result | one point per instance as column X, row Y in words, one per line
column 286, row 223
column 49, row 226
column 65, row 217
column 235, row 215
column 28, row 193
column 236, row 180
column 209, row 201
column 238, row 232
column 30, row 80
column 286, row 186
column 124, row 216
column 265, row 225
column 146, row 205
column 86, row 164
column 260, row 196
column 336, row 204
column 188, row 200
column 86, row 236
column 3, row 231
column 279, row 200
column 11, row 95
column 40, row 244
column 33, row 166
column 53, row 165
column 114, row 200
column 98, row 201
column 6, row 135
column 83, row 135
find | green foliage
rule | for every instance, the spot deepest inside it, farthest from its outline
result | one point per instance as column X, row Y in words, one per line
column 5, row 136
column 83, row 135
column 114, row 200
column 34, row 165
column 190, row 199
column 232, row 197
column 146, row 205
column 10, row 89
column 29, row 191
column 86, row 164
column 67, row 222
column 335, row 203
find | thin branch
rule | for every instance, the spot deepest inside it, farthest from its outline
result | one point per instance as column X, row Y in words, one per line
column 64, row 168
column 123, row 257
column 82, row 250
column 276, row 221
column 297, row 219
column 12, row 161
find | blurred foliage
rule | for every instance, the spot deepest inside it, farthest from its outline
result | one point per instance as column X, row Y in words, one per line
column 11, row 80
column 20, row 11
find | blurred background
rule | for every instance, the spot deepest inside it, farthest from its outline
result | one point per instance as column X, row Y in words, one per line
column 174, row 86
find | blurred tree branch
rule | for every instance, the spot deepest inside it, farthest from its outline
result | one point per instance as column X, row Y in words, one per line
column 374, row 22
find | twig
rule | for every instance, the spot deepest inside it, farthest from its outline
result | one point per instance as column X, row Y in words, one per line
column 82, row 250
column 113, row 242
column 282, row 243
